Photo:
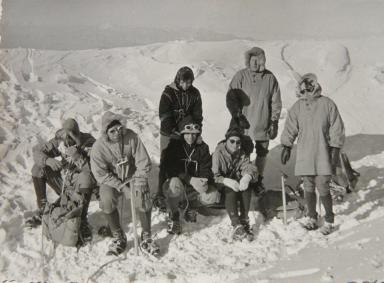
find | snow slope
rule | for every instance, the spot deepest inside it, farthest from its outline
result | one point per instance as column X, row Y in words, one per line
column 41, row 88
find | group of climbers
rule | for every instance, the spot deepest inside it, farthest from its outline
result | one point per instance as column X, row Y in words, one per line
column 189, row 176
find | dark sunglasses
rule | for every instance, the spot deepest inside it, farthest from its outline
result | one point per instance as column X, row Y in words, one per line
column 114, row 131
column 235, row 141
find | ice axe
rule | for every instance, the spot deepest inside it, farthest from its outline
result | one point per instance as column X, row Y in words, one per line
column 123, row 165
column 283, row 178
column 123, row 168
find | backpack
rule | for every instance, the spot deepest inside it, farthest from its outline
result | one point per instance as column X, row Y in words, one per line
column 345, row 175
column 270, row 203
column 61, row 220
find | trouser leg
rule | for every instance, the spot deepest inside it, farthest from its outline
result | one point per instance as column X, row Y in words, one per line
column 40, row 191
column 174, row 194
column 145, row 220
column 322, row 183
column 310, row 195
column 164, row 141
column 40, row 177
column 260, row 163
column 113, row 220
column 231, row 199
column 54, row 180
column 84, row 184
column 261, row 156
column 245, row 202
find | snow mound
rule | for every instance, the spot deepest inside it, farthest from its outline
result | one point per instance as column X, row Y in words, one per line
column 331, row 62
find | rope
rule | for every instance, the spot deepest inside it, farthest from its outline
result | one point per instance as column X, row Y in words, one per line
column 189, row 160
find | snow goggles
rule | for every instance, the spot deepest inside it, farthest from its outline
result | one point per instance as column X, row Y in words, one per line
column 306, row 85
column 191, row 129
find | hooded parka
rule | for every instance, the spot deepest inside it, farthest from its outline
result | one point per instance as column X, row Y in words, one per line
column 264, row 96
column 105, row 154
column 316, row 123
column 175, row 104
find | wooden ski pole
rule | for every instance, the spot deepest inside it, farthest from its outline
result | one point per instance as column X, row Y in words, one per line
column 133, row 208
column 283, row 177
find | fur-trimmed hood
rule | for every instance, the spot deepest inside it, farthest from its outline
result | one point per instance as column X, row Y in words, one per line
column 254, row 51
column 107, row 118
column 308, row 87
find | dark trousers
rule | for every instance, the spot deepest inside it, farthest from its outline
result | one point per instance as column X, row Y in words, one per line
column 108, row 204
column 237, row 205
column 322, row 185
column 41, row 176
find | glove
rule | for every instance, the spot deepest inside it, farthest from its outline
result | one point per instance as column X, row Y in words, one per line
column 285, row 154
column 244, row 182
column 53, row 163
column 199, row 184
column 273, row 130
column 231, row 183
column 334, row 154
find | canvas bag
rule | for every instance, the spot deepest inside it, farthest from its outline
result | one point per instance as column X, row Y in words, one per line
column 61, row 220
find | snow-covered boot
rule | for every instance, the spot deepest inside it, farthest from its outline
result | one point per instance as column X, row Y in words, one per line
column 238, row 233
column 148, row 245
column 190, row 215
column 327, row 228
column 159, row 202
column 174, row 227
column 104, row 231
column 248, row 230
column 34, row 221
column 118, row 244
column 310, row 223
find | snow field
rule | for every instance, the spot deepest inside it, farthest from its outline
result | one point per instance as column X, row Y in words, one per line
column 41, row 88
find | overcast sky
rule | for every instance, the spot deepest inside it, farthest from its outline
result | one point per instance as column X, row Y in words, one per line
column 260, row 19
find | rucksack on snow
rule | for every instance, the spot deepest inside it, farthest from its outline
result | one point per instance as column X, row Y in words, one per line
column 61, row 220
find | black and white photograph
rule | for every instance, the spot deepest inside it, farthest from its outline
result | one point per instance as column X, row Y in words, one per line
column 179, row 141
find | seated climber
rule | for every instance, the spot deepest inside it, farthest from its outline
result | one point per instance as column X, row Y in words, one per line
column 233, row 171
column 187, row 165
column 73, row 147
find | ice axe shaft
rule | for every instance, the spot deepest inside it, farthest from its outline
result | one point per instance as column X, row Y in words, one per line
column 133, row 208
column 283, row 177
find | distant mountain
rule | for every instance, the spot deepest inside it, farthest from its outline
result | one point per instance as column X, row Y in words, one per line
column 103, row 36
